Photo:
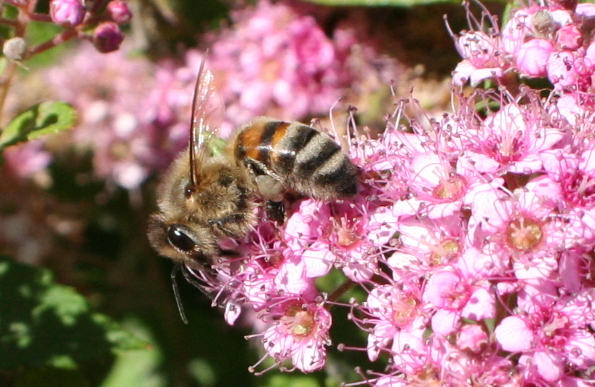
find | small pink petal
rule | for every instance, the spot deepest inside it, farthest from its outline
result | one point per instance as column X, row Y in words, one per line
column 444, row 322
column 514, row 335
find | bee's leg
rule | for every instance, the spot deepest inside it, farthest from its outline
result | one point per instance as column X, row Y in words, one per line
column 275, row 211
column 174, row 284
column 230, row 224
column 269, row 183
column 271, row 188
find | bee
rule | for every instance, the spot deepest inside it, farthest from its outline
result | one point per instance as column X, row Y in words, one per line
column 209, row 193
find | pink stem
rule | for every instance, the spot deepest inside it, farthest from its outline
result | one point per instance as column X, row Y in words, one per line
column 62, row 37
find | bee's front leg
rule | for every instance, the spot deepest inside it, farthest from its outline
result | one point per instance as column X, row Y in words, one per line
column 234, row 225
column 275, row 211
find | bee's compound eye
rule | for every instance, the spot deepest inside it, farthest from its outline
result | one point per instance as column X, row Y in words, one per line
column 178, row 238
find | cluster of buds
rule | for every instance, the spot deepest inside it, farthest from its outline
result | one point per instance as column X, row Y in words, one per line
column 106, row 36
column 551, row 40
column 95, row 21
column 274, row 60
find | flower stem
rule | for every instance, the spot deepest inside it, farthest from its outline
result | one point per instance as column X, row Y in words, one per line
column 9, row 22
column 62, row 37
column 40, row 17
column 345, row 286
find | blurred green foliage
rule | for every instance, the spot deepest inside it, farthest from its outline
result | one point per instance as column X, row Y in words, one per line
column 49, row 333
column 39, row 120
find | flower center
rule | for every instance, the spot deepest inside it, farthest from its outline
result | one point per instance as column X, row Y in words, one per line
column 299, row 322
column 347, row 233
column 524, row 234
column 450, row 189
column 579, row 188
column 443, row 253
column 405, row 310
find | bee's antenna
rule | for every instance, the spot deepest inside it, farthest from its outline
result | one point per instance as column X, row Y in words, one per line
column 194, row 141
column 174, row 283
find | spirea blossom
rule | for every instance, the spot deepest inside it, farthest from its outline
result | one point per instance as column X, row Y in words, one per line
column 274, row 60
column 539, row 40
column 277, row 60
column 471, row 238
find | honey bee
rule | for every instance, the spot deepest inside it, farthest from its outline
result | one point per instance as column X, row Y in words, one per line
column 209, row 193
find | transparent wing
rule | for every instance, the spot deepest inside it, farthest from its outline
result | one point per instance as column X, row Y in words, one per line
column 207, row 115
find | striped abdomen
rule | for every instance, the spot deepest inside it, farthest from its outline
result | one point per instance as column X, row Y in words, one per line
column 299, row 156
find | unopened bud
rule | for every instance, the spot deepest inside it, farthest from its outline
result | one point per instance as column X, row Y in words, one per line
column 107, row 37
column 570, row 37
column 119, row 11
column 14, row 48
column 67, row 13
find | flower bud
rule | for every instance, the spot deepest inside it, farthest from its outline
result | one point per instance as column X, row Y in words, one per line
column 532, row 57
column 67, row 13
column 14, row 48
column 570, row 37
column 107, row 37
column 472, row 338
column 119, row 11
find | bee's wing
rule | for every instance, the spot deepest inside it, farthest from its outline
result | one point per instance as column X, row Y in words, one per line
column 207, row 115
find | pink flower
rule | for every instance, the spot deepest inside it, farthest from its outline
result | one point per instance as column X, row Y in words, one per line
column 278, row 61
column 570, row 37
column 573, row 174
column 67, row 13
column 514, row 335
column 27, row 159
column 119, row 11
column 299, row 333
column 552, row 335
column 515, row 30
column 562, row 70
column 482, row 56
column 512, row 139
column 472, row 338
column 107, row 37
column 454, row 298
column 532, row 57
column 393, row 312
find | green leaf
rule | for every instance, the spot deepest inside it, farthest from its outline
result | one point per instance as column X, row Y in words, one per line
column 39, row 120
column 137, row 368
column 379, row 3
column 44, row 324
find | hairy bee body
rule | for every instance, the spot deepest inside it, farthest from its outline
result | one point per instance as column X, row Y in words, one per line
column 263, row 160
column 210, row 193
column 297, row 156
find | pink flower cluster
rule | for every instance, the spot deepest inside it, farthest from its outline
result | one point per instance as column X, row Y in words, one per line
column 274, row 61
column 472, row 236
column 97, row 23
column 133, row 124
column 106, row 36
column 277, row 60
column 552, row 40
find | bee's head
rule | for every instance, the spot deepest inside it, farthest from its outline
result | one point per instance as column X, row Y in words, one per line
column 186, row 242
